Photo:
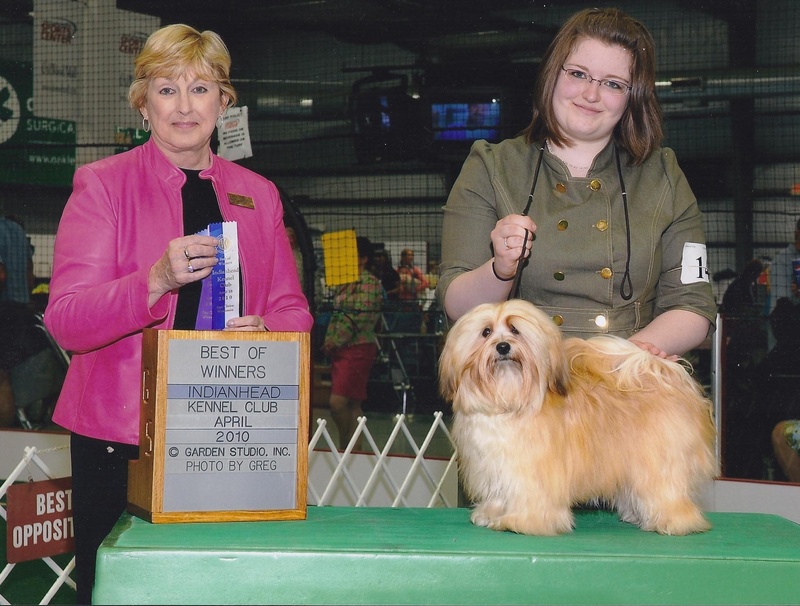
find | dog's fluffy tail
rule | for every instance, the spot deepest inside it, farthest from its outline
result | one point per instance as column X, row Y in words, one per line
column 634, row 368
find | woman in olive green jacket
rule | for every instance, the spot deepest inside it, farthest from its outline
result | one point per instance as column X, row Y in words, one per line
column 609, row 230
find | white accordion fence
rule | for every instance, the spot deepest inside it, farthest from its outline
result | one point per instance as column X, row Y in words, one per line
column 377, row 477
column 33, row 468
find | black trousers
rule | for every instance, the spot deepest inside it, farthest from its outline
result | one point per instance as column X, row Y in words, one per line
column 99, row 497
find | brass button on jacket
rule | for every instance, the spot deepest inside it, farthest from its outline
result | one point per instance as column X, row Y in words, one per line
column 563, row 224
column 558, row 320
column 561, row 188
column 595, row 184
column 606, row 273
column 559, row 275
column 601, row 225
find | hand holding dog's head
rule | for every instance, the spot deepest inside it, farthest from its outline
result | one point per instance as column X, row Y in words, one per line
column 481, row 367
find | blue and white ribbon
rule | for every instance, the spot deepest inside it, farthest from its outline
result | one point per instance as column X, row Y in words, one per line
column 219, row 297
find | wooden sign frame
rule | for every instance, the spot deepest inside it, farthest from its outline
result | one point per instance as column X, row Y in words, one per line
column 220, row 438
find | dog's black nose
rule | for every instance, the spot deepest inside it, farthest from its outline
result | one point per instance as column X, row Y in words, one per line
column 503, row 348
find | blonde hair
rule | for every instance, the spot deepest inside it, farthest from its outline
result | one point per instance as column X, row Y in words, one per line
column 175, row 49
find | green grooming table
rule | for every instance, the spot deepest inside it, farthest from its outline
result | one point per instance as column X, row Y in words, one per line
column 342, row 555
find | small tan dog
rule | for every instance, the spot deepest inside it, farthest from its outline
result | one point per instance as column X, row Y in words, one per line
column 542, row 423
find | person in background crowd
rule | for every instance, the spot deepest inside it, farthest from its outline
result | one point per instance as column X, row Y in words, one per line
column 412, row 280
column 432, row 276
column 760, row 393
column 390, row 282
column 613, row 239
column 411, row 296
column 740, row 296
column 744, row 322
column 128, row 257
column 16, row 284
column 383, row 270
column 427, row 297
column 16, row 262
column 776, row 381
column 351, row 345
column 782, row 281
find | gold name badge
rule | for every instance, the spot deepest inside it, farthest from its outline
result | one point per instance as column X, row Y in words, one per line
column 243, row 201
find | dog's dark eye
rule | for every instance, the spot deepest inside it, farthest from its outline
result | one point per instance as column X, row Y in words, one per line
column 486, row 332
column 514, row 331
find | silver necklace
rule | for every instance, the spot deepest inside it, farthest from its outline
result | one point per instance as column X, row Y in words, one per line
column 572, row 166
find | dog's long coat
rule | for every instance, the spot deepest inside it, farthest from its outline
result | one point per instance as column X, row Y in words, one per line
column 542, row 423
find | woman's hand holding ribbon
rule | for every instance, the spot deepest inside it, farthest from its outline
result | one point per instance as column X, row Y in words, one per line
column 186, row 259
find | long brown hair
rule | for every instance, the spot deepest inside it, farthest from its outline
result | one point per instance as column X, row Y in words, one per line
column 639, row 131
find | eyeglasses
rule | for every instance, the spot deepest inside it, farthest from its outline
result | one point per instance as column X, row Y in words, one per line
column 613, row 87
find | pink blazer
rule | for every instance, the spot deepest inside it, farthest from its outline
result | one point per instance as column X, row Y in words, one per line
column 123, row 211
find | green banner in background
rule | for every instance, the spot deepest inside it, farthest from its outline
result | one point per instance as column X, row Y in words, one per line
column 33, row 149
column 126, row 138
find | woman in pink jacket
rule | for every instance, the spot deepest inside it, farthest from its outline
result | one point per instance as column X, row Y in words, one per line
column 127, row 257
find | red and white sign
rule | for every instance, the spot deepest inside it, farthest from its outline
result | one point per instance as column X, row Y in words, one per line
column 39, row 520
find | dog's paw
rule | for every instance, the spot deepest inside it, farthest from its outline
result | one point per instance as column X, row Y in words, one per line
column 677, row 520
column 540, row 523
column 479, row 519
column 680, row 527
column 556, row 523
column 487, row 515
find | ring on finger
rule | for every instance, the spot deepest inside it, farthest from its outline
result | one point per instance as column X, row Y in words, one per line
column 190, row 268
column 505, row 241
column 186, row 252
